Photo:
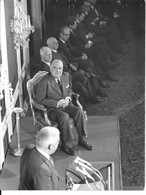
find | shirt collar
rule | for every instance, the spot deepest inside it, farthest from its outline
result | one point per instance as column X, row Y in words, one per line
column 78, row 21
column 86, row 13
column 43, row 153
column 53, row 50
column 62, row 40
column 57, row 80
column 48, row 63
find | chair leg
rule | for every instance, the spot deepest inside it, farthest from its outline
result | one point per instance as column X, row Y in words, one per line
column 37, row 127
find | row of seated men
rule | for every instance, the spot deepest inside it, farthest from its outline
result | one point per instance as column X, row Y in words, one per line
column 88, row 54
column 88, row 51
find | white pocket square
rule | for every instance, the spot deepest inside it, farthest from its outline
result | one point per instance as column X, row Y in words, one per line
column 67, row 86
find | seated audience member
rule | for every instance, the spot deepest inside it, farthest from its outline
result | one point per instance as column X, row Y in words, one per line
column 54, row 91
column 85, row 88
column 73, row 54
column 37, row 170
column 85, row 35
column 96, row 48
column 46, row 58
column 71, row 67
column 101, row 29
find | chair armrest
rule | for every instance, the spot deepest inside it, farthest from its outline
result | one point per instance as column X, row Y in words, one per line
column 38, row 106
column 75, row 99
column 75, row 96
column 46, row 118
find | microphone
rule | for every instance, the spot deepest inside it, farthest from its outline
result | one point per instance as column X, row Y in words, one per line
column 83, row 161
column 82, row 165
column 86, row 174
column 90, row 169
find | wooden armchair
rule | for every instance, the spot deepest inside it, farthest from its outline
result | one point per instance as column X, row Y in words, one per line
column 39, row 112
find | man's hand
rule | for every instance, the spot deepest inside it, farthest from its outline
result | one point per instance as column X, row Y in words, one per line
column 73, row 67
column 90, row 35
column 64, row 102
column 84, row 57
column 103, row 23
column 89, row 44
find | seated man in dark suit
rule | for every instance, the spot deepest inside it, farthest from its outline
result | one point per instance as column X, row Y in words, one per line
column 46, row 58
column 75, row 55
column 87, row 35
column 101, row 28
column 74, row 44
column 58, row 101
column 37, row 170
column 88, row 91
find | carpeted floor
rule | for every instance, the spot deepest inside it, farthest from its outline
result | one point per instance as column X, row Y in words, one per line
column 132, row 141
column 126, row 100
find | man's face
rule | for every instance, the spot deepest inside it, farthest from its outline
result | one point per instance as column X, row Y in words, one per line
column 93, row 2
column 73, row 27
column 47, row 56
column 65, row 34
column 86, row 8
column 56, row 69
column 81, row 17
column 55, row 45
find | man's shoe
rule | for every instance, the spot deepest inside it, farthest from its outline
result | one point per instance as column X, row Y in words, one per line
column 85, row 145
column 101, row 99
column 97, row 99
column 110, row 78
column 101, row 94
column 68, row 150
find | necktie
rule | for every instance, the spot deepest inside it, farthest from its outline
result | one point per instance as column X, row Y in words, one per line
column 59, row 84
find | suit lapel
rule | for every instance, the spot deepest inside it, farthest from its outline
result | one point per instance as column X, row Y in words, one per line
column 55, row 86
column 53, row 169
column 47, row 162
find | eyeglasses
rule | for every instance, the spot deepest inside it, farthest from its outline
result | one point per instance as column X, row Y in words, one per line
column 67, row 34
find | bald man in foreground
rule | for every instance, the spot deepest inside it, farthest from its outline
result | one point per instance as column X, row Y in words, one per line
column 54, row 91
column 37, row 170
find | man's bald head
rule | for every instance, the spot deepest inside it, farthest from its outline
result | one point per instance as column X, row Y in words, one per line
column 52, row 43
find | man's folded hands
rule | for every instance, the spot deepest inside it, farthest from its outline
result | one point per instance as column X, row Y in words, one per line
column 63, row 102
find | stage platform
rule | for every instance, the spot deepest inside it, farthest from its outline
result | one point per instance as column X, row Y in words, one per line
column 103, row 134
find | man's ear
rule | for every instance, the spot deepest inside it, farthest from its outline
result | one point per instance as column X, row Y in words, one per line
column 50, row 147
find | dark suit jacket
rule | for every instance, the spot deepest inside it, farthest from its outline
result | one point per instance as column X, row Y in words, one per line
column 44, row 67
column 48, row 92
column 60, row 56
column 71, row 53
column 81, row 32
column 88, row 24
column 36, row 171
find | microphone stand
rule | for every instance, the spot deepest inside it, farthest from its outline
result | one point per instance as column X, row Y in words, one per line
column 87, row 183
column 95, row 171
column 90, row 177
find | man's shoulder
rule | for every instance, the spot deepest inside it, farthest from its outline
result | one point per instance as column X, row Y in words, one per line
column 28, row 149
column 65, row 74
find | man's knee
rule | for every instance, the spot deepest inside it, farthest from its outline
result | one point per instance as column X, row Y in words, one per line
column 78, row 111
column 81, row 72
column 64, row 117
